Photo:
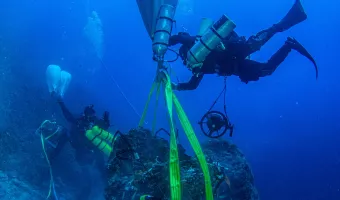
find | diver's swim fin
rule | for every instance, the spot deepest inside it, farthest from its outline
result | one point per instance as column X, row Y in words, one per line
column 294, row 44
column 294, row 16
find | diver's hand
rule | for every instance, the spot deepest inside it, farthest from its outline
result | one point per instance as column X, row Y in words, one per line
column 106, row 119
column 176, row 39
column 183, row 33
column 174, row 86
column 57, row 96
column 106, row 116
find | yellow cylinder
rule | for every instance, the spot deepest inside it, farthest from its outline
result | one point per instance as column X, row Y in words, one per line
column 105, row 135
column 99, row 138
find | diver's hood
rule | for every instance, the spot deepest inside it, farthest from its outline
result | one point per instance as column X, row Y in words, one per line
column 89, row 111
column 149, row 12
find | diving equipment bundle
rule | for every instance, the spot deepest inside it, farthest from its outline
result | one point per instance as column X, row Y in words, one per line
column 209, row 37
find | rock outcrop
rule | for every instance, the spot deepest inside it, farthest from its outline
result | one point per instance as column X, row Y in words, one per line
column 139, row 166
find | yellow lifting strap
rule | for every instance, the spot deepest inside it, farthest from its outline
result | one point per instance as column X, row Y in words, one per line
column 174, row 167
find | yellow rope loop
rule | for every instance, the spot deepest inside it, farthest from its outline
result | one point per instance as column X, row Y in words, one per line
column 51, row 187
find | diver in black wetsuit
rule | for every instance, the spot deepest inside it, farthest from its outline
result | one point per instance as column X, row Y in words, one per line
column 86, row 152
column 234, row 59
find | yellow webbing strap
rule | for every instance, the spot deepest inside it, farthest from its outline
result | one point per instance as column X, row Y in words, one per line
column 142, row 120
column 175, row 184
column 175, row 180
column 196, row 147
column 51, row 188
column 191, row 137
column 143, row 197
column 156, row 107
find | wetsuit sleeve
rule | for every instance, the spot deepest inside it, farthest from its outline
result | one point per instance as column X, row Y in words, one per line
column 67, row 114
column 192, row 84
column 184, row 39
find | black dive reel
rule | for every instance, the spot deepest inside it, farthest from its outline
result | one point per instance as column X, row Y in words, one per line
column 215, row 124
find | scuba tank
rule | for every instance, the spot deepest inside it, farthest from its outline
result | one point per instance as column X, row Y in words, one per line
column 208, row 42
column 102, row 139
column 163, row 30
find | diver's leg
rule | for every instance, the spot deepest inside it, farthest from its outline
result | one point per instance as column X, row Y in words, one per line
column 295, row 16
column 250, row 70
column 281, row 55
column 275, row 60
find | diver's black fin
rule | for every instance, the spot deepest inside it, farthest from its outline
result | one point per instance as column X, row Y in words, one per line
column 294, row 16
column 294, row 44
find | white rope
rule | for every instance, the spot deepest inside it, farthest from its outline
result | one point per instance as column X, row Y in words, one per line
column 121, row 91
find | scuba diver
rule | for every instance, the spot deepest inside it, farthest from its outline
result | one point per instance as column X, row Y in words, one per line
column 76, row 135
column 85, row 152
column 234, row 60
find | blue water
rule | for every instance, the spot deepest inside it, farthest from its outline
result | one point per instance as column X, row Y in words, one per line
column 286, row 124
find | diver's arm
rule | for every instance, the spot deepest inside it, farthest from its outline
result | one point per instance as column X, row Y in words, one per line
column 191, row 85
column 182, row 38
column 67, row 114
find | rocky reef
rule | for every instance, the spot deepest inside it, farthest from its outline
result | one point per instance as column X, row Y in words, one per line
column 139, row 166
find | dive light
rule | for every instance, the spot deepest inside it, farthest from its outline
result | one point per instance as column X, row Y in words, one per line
column 208, row 42
column 163, row 30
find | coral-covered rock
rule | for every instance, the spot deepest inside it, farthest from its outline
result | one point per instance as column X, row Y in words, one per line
column 139, row 166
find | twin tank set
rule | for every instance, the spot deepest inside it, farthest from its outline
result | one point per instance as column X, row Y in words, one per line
column 209, row 37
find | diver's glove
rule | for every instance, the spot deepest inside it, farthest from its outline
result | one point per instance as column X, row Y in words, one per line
column 182, row 38
column 174, row 86
column 106, row 119
column 57, row 97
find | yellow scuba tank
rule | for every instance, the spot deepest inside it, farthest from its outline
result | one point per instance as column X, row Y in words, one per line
column 102, row 139
column 208, row 42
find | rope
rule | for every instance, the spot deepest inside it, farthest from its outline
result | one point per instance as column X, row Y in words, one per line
column 224, row 90
column 52, row 187
column 120, row 90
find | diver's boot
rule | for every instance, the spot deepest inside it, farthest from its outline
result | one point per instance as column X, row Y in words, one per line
column 294, row 16
column 294, row 44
